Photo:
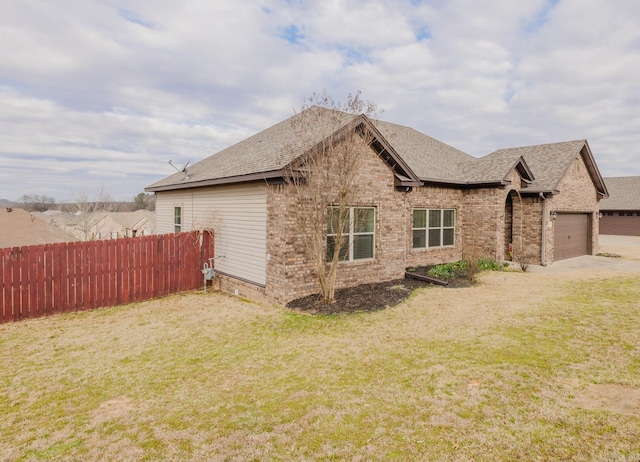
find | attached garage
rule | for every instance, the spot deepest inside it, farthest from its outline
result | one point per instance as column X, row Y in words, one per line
column 572, row 235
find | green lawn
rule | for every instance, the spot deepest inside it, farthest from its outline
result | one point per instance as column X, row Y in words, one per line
column 521, row 366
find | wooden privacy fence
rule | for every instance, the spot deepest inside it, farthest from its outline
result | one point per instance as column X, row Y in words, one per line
column 70, row 276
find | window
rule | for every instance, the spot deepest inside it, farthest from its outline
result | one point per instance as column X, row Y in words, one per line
column 433, row 228
column 358, row 228
column 177, row 219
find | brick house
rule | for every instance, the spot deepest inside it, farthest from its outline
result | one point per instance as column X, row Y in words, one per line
column 425, row 203
column 621, row 210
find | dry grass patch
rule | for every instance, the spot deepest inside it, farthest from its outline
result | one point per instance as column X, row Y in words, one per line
column 499, row 371
column 628, row 247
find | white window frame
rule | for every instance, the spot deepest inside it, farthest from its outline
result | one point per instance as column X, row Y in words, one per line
column 352, row 234
column 177, row 227
column 428, row 228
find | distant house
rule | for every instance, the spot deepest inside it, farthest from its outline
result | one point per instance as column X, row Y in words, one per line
column 621, row 210
column 139, row 223
column 20, row 228
column 425, row 203
column 102, row 225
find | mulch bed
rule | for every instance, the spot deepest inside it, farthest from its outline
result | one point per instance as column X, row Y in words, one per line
column 372, row 297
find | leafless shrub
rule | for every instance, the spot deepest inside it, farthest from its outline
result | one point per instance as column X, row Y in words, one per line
column 523, row 257
column 472, row 259
column 89, row 212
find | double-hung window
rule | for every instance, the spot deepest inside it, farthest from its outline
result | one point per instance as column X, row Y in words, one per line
column 433, row 228
column 358, row 233
column 177, row 219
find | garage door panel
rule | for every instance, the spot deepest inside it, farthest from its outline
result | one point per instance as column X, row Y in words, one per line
column 571, row 235
column 625, row 225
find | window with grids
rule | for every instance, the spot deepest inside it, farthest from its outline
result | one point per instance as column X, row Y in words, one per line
column 177, row 219
column 433, row 228
column 358, row 229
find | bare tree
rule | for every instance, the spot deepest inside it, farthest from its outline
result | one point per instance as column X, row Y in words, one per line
column 89, row 212
column 323, row 180
column 37, row 203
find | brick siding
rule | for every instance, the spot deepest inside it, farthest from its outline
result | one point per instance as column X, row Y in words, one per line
column 290, row 275
column 577, row 193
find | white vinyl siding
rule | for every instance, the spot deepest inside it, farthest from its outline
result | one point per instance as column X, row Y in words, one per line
column 238, row 216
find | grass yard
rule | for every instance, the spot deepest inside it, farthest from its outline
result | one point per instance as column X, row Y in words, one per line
column 520, row 367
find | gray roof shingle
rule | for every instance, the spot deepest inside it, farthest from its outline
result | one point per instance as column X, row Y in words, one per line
column 269, row 150
column 548, row 162
column 266, row 153
column 430, row 159
column 624, row 193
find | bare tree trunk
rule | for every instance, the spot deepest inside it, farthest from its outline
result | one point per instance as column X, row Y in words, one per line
column 323, row 179
column 90, row 212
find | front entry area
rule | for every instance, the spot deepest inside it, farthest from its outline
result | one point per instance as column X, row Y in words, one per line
column 572, row 235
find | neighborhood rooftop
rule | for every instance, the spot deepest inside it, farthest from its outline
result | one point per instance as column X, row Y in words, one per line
column 624, row 193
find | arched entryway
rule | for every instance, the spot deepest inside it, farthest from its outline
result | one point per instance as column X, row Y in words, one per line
column 512, row 224
column 508, row 227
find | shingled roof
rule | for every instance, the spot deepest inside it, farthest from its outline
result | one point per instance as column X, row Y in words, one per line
column 260, row 156
column 19, row 228
column 430, row 159
column 550, row 162
column 624, row 193
column 266, row 154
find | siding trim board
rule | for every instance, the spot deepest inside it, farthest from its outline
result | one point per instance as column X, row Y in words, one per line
column 240, row 279
column 262, row 176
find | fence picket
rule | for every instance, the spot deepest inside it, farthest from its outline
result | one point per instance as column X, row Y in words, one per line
column 47, row 300
column 4, row 306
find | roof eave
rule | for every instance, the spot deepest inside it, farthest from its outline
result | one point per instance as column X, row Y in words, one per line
column 272, row 174
column 523, row 170
column 592, row 168
column 397, row 159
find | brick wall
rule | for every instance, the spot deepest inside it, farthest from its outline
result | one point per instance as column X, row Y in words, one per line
column 481, row 232
column 484, row 226
column 290, row 276
column 577, row 193
column 492, row 222
column 488, row 223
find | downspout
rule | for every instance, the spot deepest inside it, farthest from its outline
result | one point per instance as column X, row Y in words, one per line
column 543, row 246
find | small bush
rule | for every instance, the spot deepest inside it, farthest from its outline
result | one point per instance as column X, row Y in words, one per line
column 448, row 270
column 489, row 264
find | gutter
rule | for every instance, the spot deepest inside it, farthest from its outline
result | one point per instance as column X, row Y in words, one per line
column 543, row 246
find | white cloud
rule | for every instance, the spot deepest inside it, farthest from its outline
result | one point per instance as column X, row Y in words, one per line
column 105, row 92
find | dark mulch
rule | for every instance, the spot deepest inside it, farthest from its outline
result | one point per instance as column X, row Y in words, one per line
column 371, row 297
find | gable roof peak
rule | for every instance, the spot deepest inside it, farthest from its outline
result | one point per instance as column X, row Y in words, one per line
column 550, row 162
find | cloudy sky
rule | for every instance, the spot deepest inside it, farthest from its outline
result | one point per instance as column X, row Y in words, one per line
column 101, row 94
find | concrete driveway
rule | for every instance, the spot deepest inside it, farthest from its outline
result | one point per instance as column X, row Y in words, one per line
column 628, row 247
